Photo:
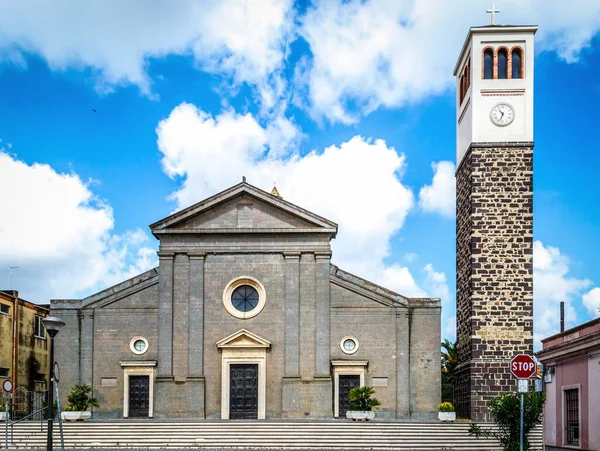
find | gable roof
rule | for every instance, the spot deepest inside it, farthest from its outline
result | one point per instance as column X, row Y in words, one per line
column 376, row 292
column 168, row 224
column 243, row 339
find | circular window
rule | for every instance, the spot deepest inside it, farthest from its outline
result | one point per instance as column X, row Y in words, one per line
column 138, row 345
column 349, row 344
column 244, row 297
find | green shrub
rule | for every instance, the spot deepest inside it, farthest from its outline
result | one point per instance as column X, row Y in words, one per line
column 360, row 398
column 80, row 399
column 445, row 407
column 506, row 410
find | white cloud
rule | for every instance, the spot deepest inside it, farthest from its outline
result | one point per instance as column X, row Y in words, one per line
column 437, row 285
column 368, row 54
column 553, row 285
column 363, row 54
column 591, row 300
column 440, row 196
column 247, row 40
column 60, row 235
column 357, row 184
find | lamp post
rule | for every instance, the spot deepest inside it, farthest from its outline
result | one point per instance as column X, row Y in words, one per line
column 52, row 325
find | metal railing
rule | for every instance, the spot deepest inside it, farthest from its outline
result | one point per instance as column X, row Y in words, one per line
column 12, row 426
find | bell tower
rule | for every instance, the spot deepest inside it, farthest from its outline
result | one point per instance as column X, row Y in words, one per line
column 494, row 211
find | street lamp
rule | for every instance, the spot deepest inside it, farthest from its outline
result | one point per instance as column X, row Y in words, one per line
column 52, row 325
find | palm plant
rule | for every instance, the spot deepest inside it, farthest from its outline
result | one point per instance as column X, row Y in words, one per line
column 80, row 398
column 360, row 398
column 449, row 361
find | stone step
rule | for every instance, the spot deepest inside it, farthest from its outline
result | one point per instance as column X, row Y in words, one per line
column 266, row 434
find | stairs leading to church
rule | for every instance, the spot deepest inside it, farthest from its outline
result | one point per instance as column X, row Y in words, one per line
column 257, row 434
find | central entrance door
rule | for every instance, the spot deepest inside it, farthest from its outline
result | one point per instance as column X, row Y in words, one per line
column 139, row 396
column 243, row 392
column 347, row 383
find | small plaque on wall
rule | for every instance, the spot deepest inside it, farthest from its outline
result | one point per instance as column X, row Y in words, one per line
column 380, row 381
column 108, row 382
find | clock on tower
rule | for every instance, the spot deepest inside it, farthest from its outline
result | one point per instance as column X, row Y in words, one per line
column 494, row 211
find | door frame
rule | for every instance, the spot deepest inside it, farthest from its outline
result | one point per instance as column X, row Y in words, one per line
column 243, row 347
column 345, row 368
column 138, row 368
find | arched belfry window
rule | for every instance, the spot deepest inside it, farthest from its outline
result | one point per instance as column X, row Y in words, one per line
column 502, row 64
column 516, row 57
column 488, row 64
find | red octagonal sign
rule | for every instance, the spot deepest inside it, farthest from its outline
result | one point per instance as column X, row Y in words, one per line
column 522, row 366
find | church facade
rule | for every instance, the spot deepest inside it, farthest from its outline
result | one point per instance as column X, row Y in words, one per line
column 247, row 318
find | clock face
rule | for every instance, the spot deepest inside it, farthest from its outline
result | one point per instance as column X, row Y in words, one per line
column 502, row 114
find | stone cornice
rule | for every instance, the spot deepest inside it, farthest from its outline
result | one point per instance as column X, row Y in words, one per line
column 121, row 290
column 243, row 231
column 365, row 288
column 321, row 224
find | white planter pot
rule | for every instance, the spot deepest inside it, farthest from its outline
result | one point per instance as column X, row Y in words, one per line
column 447, row 416
column 360, row 415
column 3, row 416
column 75, row 416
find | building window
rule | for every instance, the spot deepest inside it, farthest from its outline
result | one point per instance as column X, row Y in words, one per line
column 244, row 297
column 488, row 64
column 4, row 372
column 5, row 309
column 465, row 81
column 502, row 64
column 349, row 344
column 39, row 329
column 138, row 345
column 516, row 58
column 572, row 416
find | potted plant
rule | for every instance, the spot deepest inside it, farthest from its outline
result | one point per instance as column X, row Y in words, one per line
column 446, row 411
column 3, row 413
column 362, row 404
column 80, row 399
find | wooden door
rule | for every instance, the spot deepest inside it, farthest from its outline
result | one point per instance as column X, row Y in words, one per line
column 347, row 383
column 243, row 392
column 139, row 396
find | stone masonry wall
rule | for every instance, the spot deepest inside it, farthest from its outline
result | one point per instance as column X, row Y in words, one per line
column 494, row 234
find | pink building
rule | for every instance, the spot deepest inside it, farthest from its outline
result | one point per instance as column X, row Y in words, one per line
column 572, row 384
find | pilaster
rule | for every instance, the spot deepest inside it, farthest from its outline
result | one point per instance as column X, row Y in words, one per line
column 402, row 364
column 292, row 313
column 307, row 316
column 196, row 315
column 165, row 315
column 322, row 311
column 181, row 301
column 86, row 352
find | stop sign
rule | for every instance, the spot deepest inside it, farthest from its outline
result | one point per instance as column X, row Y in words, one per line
column 522, row 366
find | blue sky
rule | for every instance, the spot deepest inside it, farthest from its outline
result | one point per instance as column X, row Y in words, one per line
column 348, row 106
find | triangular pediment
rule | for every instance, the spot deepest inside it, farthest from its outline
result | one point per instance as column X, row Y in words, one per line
column 243, row 339
column 243, row 208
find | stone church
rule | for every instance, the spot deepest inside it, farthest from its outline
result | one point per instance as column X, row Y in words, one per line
column 246, row 317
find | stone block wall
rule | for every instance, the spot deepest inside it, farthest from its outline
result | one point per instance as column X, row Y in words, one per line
column 494, row 241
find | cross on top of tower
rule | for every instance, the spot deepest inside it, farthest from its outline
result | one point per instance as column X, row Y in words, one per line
column 493, row 12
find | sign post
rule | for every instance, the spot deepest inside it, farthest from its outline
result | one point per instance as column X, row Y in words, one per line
column 7, row 388
column 522, row 366
column 60, row 425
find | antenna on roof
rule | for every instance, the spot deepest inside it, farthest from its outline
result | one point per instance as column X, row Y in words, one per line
column 11, row 271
